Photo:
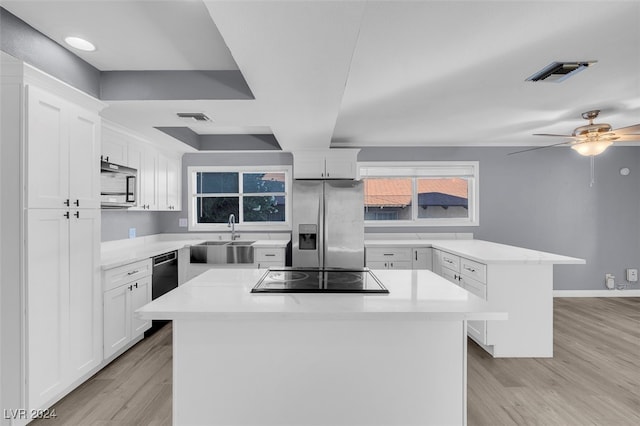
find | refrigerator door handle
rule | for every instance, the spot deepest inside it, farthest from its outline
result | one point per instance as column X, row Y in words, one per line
column 322, row 234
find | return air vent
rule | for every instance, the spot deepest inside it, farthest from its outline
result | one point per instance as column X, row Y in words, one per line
column 557, row 72
column 195, row 116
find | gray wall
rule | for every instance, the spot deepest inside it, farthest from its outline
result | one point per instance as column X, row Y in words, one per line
column 116, row 223
column 542, row 200
column 23, row 42
column 169, row 220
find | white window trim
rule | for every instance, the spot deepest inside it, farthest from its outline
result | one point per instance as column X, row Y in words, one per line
column 427, row 169
column 218, row 227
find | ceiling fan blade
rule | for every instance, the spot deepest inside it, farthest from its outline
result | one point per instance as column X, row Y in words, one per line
column 628, row 138
column 629, row 129
column 553, row 135
column 538, row 147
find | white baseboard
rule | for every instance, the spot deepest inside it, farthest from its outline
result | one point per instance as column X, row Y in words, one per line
column 597, row 293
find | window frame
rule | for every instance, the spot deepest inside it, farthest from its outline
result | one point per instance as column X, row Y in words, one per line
column 193, row 225
column 469, row 170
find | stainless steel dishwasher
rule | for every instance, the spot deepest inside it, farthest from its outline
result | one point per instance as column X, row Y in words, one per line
column 163, row 280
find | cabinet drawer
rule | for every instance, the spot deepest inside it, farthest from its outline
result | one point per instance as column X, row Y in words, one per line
column 269, row 255
column 475, row 287
column 389, row 254
column 120, row 275
column 475, row 270
column 448, row 260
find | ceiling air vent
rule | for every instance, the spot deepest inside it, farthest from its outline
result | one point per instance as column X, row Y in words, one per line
column 195, row 116
column 556, row 72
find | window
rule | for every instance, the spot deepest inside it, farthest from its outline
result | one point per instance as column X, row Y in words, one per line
column 257, row 197
column 420, row 193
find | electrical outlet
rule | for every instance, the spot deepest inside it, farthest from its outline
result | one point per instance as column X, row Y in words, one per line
column 610, row 281
column 632, row 275
column 132, row 232
column 182, row 222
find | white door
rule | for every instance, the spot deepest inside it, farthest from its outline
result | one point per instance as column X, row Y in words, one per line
column 135, row 156
column 47, row 146
column 140, row 296
column 117, row 319
column 173, row 184
column 149, row 180
column 84, row 161
column 85, row 315
column 47, row 296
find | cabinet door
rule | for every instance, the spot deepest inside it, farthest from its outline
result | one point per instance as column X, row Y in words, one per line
column 377, row 264
column 421, row 258
column 114, row 147
column 308, row 165
column 85, row 324
column 47, row 295
column 47, row 150
column 450, row 275
column 173, row 183
column 140, row 296
column 340, row 165
column 135, row 159
column 149, row 180
column 84, row 163
column 117, row 319
column 163, row 169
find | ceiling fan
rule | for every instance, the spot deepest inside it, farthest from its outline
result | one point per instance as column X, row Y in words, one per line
column 593, row 138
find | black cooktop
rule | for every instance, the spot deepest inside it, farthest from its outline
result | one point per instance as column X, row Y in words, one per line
column 316, row 280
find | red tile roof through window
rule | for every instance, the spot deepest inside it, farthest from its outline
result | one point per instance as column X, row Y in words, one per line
column 397, row 192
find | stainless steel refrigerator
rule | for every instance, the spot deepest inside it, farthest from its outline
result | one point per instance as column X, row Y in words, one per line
column 328, row 224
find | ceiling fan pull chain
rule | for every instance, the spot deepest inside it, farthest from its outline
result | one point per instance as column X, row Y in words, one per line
column 593, row 171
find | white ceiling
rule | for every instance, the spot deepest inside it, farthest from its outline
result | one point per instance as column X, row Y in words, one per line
column 370, row 73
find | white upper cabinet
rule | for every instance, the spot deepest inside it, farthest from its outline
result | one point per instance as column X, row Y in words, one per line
column 62, row 143
column 169, row 182
column 327, row 164
column 114, row 149
column 159, row 173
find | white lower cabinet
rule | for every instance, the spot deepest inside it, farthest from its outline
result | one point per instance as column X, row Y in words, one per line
column 398, row 258
column 126, row 288
column 267, row 257
column 469, row 275
column 64, row 333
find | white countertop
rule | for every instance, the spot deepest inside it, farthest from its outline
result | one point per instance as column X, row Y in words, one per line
column 225, row 294
column 482, row 251
column 121, row 254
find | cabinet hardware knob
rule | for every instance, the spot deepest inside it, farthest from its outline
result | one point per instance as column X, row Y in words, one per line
column 77, row 203
column 77, row 214
column 66, row 214
column 269, row 254
column 107, row 159
column 130, row 288
column 136, row 285
column 66, row 202
column 132, row 272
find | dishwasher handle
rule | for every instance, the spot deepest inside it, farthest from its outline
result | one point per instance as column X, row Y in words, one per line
column 164, row 258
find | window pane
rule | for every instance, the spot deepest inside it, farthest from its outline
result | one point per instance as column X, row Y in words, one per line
column 217, row 209
column 263, row 182
column 387, row 198
column 264, row 209
column 443, row 198
column 217, row 183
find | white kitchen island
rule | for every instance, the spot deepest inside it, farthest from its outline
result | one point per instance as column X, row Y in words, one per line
column 319, row 359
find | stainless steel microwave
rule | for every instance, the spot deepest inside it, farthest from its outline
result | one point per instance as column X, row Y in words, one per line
column 117, row 186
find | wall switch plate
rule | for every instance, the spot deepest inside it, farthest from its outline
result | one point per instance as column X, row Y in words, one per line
column 632, row 275
column 132, row 232
column 182, row 222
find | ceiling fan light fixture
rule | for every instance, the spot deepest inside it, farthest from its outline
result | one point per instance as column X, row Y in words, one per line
column 591, row 148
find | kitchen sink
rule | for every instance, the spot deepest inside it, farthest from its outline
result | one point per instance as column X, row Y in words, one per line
column 222, row 252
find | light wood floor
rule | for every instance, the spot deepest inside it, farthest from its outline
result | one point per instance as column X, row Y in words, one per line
column 593, row 378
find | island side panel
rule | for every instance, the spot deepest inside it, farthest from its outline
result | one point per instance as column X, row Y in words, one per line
column 312, row 372
column 525, row 292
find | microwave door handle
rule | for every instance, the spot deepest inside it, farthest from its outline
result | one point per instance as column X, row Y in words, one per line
column 131, row 188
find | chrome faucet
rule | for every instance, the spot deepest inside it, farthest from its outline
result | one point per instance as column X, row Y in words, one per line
column 232, row 224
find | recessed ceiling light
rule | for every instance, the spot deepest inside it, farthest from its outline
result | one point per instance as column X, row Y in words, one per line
column 80, row 44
